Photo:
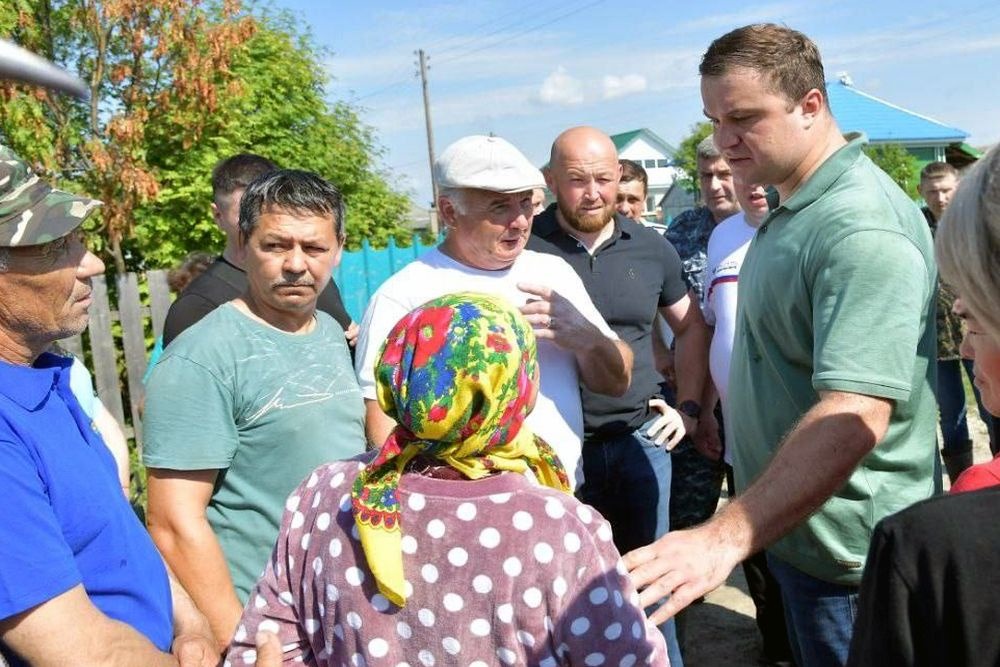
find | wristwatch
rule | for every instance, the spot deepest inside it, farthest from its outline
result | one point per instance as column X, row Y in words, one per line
column 690, row 408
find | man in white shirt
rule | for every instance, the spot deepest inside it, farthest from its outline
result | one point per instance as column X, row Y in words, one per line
column 726, row 249
column 485, row 201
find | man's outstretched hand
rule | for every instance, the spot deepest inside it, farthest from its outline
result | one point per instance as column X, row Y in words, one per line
column 683, row 565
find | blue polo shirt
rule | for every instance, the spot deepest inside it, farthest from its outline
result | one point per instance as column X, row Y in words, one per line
column 63, row 518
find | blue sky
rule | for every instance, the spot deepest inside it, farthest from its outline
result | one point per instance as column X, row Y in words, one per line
column 527, row 70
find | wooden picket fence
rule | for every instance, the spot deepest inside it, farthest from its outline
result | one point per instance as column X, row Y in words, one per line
column 136, row 322
column 359, row 275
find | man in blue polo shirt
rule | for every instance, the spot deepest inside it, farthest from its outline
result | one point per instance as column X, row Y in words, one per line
column 80, row 579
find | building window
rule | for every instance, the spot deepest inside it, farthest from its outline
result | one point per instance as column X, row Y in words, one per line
column 649, row 164
column 663, row 163
column 650, row 204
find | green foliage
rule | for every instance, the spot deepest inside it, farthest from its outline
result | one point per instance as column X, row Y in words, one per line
column 177, row 86
column 901, row 166
column 687, row 154
column 281, row 113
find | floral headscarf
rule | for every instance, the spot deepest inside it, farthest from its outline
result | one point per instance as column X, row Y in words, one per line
column 459, row 376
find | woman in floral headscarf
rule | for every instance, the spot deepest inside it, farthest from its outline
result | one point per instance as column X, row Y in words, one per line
column 441, row 549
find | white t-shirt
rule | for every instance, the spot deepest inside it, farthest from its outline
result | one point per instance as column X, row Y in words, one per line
column 726, row 249
column 558, row 415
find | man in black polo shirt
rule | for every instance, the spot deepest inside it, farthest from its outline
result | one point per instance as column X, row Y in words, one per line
column 630, row 272
column 225, row 279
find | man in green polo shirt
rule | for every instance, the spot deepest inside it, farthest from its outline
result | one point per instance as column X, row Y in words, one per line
column 832, row 412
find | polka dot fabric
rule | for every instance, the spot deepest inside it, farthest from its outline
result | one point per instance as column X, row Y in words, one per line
column 498, row 572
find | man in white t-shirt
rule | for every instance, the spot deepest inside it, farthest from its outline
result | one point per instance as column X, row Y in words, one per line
column 727, row 246
column 485, row 200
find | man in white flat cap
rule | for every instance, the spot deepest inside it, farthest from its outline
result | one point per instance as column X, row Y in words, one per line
column 485, row 186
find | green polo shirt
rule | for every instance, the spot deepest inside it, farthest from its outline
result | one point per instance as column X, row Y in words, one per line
column 837, row 294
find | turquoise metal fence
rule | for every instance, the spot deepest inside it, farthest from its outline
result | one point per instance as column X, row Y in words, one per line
column 362, row 271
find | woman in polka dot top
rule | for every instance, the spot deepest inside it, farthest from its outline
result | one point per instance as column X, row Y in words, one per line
column 444, row 549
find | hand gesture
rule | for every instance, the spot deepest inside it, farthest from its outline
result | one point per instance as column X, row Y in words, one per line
column 668, row 428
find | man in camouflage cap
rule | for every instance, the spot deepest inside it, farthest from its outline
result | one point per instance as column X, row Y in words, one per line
column 31, row 212
column 80, row 579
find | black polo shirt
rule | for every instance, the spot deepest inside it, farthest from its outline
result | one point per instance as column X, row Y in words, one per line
column 223, row 281
column 629, row 277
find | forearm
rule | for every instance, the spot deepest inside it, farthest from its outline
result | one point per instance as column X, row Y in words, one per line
column 709, row 395
column 188, row 620
column 691, row 363
column 378, row 425
column 70, row 630
column 813, row 462
column 605, row 365
column 196, row 559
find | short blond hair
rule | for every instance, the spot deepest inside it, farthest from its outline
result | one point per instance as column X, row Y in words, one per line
column 968, row 242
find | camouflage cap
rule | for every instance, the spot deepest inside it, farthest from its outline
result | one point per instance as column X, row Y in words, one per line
column 31, row 212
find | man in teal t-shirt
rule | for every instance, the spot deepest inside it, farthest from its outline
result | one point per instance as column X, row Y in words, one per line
column 245, row 403
column 831, row 411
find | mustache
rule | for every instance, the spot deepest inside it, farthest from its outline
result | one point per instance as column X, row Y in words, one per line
column 293, row 283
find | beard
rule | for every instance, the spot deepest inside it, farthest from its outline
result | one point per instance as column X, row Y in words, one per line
column 589, row 222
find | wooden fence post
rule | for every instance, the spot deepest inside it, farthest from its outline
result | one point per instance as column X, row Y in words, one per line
column 134, row 346
column 159, row 299
column 102, row 348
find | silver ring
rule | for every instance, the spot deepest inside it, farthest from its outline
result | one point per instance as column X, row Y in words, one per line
column 551, row 323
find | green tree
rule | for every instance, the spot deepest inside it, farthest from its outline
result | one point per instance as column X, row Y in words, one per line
column 281, row 113
column 177, row 85
column 687, row 154
column 159, row 61
column 901, row 165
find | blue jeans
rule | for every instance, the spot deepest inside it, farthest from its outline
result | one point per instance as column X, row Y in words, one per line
column 819, row 615
column 627, row 479
column 950, row 396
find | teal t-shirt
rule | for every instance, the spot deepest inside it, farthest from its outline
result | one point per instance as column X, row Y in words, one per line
column 837, row 293
column 263, row 407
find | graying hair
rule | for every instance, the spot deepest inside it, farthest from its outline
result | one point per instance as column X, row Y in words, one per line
column 968, row 242
column 707, row 150
column 457, row 198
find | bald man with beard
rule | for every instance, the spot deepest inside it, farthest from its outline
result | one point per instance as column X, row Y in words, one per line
column 630, row 272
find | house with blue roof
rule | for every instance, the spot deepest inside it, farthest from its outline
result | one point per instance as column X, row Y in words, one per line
column 927, row 139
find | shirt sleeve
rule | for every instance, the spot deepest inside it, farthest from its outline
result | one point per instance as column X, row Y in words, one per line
column 380, row 317
column 674, row 288
column 870, row 299
column 331, row 303
column 603, row 623
column 188, row 309
column 189, row 420
column 36, row 563
column 82, row 385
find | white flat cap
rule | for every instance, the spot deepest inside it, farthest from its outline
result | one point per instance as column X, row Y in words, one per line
column 486, row 163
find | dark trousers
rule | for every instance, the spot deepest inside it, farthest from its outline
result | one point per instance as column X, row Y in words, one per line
column 766, row 595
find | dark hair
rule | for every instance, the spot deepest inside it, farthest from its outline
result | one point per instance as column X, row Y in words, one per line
column 786, row 58
column 633, row 171
column 190, row 268
column 236, row 172
column 290, row 190
column 934, row 170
